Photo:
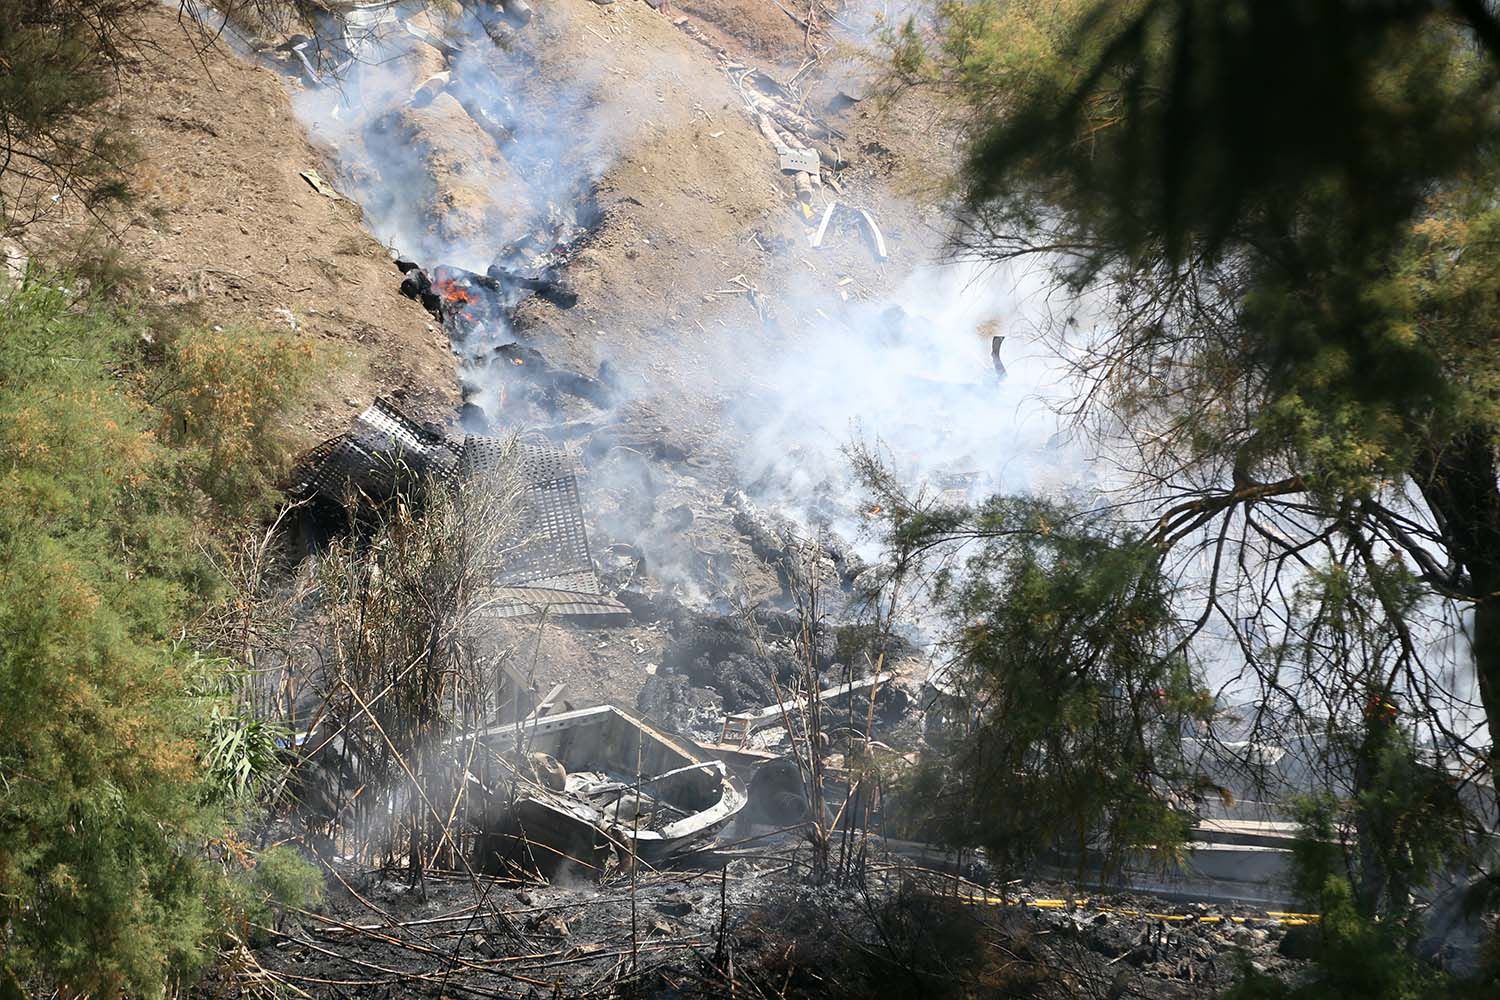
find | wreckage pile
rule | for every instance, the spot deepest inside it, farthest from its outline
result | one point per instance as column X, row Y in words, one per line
column 723, row 678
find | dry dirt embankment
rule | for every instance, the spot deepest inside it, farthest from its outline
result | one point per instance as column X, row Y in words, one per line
column 694, row 213
column 696, row 198
column 224, row 220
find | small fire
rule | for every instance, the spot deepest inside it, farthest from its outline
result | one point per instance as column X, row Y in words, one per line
column 452, row 292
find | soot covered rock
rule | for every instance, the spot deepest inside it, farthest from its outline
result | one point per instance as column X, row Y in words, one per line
column 721, row 653
column 671, row 700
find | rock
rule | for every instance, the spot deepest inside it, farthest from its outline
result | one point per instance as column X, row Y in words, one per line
column 669, row 699
column 518, row 11
column 675, row 905
column 659, row 607
column 1303, row 942
column 777, row 794
column 721, row 653
column 1251, row 939
column 678, row 518
column 549, row 923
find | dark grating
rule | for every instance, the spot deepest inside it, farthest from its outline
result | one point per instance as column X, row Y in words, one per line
column 554, row 551
column 548, row 567
column 381, row 447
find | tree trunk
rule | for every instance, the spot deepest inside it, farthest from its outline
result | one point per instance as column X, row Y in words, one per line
column 1458, row 479
column 1487, row 659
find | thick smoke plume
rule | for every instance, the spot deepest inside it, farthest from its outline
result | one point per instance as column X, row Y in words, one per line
column 913, row 374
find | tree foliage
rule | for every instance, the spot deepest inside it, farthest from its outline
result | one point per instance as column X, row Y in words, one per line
column 1279, row 215
column 64, row 139
column 59, row 138
column 105, row 802
column 1073, row 693
column 1358, row 957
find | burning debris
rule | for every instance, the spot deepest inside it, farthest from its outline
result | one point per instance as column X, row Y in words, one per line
column 464, row 302
column 476, row 311
column 471, row 305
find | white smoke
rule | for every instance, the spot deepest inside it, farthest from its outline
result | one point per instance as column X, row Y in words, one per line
column 911, row 375
column 528, row 139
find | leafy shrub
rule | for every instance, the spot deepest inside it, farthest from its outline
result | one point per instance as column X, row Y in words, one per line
column 1063, row 642
column 283, row 878
column 105, row 802
column 222, row 400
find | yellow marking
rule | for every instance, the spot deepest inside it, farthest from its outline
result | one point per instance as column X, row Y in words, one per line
column 1283, row 917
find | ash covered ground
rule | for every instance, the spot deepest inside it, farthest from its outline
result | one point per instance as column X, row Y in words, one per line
column 746, row 922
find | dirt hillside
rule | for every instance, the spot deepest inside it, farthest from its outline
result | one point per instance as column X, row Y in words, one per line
column 224, row 219
column 698, row 271
column 696, row 211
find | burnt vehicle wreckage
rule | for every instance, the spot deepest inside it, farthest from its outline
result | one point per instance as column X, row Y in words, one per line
column 595, row 779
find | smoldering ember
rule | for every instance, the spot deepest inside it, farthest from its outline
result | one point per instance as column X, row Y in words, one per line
column 526, row 498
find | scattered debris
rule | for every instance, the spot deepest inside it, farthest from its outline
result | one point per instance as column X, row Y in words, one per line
column 877, row 241
column 320, row 185
column 739, row 726
column 817, row 237
column 429, row 89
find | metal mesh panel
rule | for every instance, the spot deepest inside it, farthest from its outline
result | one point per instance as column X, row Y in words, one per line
column 553, row 550
column 547, row 564
column 519, row 602
column 381, row 448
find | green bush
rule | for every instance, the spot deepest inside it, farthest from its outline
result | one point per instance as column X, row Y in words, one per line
column 1358, row 957
column 1062, row 637
column 282, row 879
column 105, row 802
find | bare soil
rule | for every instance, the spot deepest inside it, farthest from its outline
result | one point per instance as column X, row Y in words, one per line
column 224, row 222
